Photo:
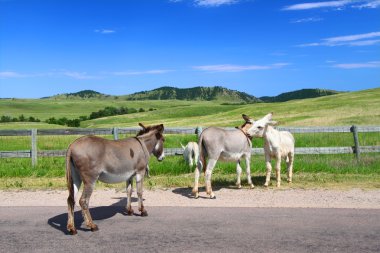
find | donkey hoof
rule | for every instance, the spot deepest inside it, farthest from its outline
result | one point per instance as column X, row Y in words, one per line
column 130, row 212
column 73, row 231
column 196, row 195
column 238, row 186
column 212, row 196
column 94, row 228
column 251, row 186
column 144, row 213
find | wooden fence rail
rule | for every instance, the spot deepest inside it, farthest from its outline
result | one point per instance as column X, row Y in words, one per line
column 33, row 153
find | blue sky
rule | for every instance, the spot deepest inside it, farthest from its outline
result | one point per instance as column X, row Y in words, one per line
column 118, row 47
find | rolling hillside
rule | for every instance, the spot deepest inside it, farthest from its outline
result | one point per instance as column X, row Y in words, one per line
column 196, row 93
column 84, row 94
column 200, row 94
column 341, row 109
column 299, row 94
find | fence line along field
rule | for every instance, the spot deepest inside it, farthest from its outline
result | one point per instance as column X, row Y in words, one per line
column 328, row 142
column 310, row 170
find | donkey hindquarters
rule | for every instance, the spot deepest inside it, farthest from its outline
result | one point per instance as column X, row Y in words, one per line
column 219, row 144
column 91, row 158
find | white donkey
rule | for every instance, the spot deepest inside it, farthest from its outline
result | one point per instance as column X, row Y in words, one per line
column 277, row 144
column 190, row 153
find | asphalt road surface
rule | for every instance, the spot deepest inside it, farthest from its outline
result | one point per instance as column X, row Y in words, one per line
column 192, row 229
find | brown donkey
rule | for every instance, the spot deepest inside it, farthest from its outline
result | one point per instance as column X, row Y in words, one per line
column 92, row 158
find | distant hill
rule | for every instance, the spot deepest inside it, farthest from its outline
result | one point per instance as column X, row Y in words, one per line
column 200, row 93
column 81, row 94
column 299, row 94
column 196, row 93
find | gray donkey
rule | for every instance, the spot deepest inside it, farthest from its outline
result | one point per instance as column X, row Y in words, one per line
column 223, row 145
column 91, row 158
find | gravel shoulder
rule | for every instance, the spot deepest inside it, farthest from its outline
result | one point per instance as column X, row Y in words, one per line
column 293, row 198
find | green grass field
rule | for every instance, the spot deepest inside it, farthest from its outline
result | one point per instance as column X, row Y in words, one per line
column 359, row 108
column 326, row 171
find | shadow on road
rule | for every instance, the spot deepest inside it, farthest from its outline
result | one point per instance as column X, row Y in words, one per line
column 217, row 185
column 59, row 222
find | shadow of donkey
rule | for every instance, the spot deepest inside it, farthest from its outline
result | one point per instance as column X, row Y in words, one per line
column 59, row 222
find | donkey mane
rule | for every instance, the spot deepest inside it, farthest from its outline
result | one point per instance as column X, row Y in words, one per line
column 149, row 129
column 145, row 130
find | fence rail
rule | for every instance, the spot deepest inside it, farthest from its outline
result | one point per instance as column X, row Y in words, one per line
column 115, row 131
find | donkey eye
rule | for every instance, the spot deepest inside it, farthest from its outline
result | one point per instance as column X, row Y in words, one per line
column 260, row 127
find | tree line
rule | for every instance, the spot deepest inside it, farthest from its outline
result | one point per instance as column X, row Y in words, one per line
column 106, row 112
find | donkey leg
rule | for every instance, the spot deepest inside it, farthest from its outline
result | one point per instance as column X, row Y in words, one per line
column 73, row 187
column 248, row 169
column 84, row 203
column 210, row 166
column 70, row 219
column 290, row 166
column 278, row 170
column 238, row 173
column 139, row 186
column 197, row 172
column 269, row 170
column 129, row 196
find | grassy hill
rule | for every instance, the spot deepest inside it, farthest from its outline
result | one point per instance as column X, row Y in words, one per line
column 84, row 94
column 196, row 93
column 341, row 109
column 199, row 93
column 299, row 94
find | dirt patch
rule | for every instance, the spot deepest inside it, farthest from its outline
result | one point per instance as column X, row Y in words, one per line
column 355, row 198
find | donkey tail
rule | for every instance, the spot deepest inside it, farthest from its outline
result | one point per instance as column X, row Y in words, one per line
column 69, row 178
column 202, row 155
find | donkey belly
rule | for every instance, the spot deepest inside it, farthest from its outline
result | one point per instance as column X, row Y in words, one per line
column 230, row 156
column 113, row 178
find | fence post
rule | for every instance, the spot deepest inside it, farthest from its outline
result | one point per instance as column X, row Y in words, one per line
column 34, row 147
column 354, row 130
column 115, row 133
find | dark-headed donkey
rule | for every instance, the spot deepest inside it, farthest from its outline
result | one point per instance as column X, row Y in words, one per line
column 91, row 158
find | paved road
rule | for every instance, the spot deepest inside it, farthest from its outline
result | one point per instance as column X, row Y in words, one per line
column 193, row 229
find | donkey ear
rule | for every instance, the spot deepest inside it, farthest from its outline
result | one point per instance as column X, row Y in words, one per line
column 160, row 128
column 143, row 127
column 272, row 123
column 246, row 118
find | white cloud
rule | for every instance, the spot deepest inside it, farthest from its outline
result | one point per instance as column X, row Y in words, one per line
column 349, row 40
column 338, row 5
column 104, row 31
column 78, row 75
column 214, row 3
column 145, row 72
column 353, row 37
column 13, row 74
column 307, row 6
column 372, row 64
column 10, row 74
column 369, row 4
column 306, row 20
column 237, row 68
